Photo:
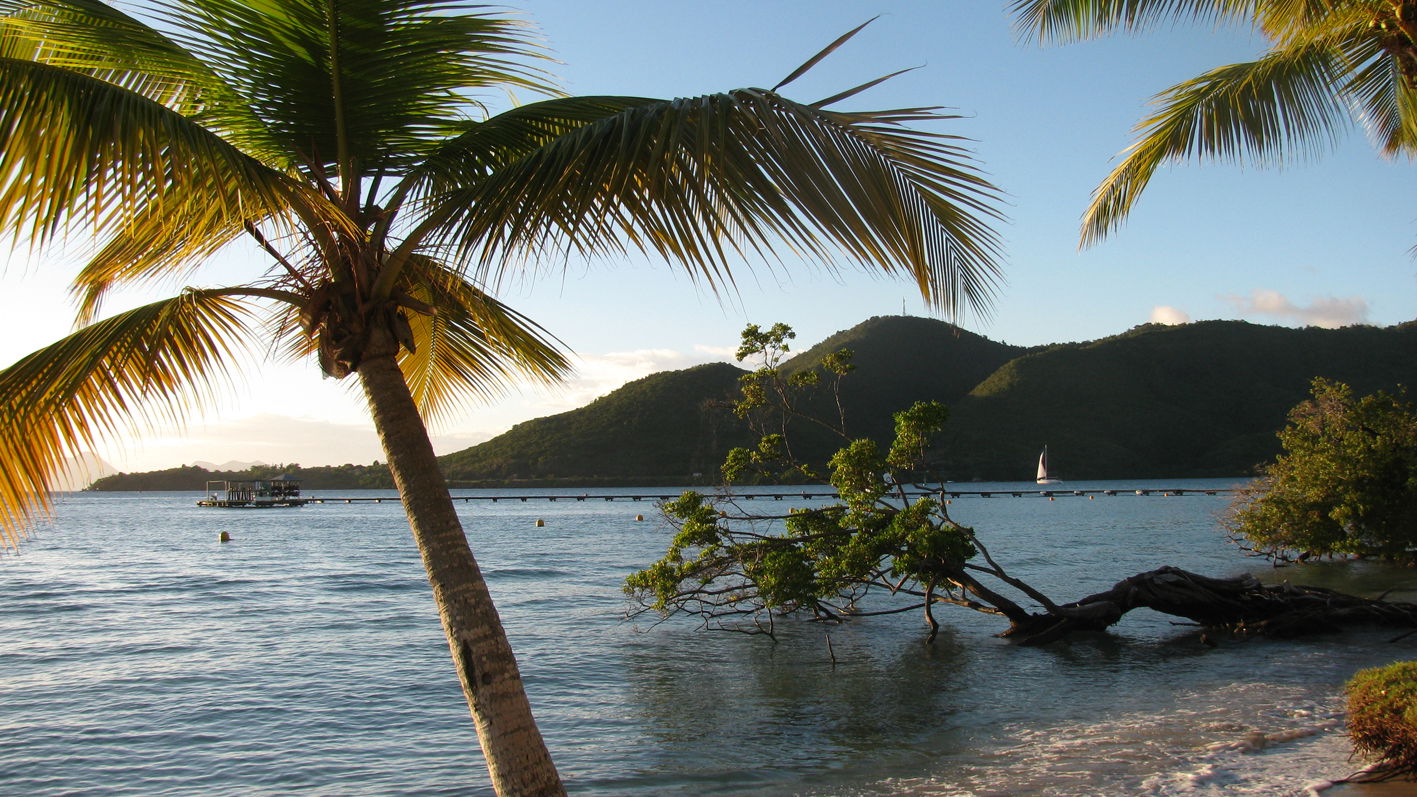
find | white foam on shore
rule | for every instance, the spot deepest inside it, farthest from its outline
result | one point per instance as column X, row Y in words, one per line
column 1242, row 740
column 1295, row 762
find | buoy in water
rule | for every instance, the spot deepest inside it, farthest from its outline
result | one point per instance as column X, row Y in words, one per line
column 223, row 537
column 639, row 517
column 540, row 523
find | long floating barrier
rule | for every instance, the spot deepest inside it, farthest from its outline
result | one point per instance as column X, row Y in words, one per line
column 1164, row 492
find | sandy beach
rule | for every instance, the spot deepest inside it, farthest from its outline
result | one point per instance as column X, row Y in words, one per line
column 1401, row 788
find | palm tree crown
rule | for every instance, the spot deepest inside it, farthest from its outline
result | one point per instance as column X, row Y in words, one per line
column 346, row 139
column 1328, row 64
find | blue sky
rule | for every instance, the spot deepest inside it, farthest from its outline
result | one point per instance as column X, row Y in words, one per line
column 1326, row 240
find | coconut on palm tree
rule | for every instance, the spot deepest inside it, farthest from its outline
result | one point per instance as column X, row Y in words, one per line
column 346, row 140
column 1328, row 64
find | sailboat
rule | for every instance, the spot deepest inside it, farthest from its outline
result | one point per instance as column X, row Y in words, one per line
column 1043, row 477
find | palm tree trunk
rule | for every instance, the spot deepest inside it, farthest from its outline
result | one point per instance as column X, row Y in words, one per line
column 517, row 758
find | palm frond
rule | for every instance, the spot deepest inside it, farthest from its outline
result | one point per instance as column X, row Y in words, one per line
column 852, row 92
column 1256, row 111
column 1384, row 98
column 826, row 51
column 161, row 245
column 147, row 365
column 486, row 146
column 77, row 150
column 97, row 40
column 704, row 181
column 382, row 81
column 1293, row 22
column 472, row 346
column 1076, row 20
column 157, row 189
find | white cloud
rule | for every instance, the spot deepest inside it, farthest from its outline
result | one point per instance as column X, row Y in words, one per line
column 1170, row 316
column 266, row 437
column 1326, row 311
column 726, row 354
column 597, row 375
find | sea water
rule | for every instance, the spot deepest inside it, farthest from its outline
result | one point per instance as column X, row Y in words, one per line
column 140, row 656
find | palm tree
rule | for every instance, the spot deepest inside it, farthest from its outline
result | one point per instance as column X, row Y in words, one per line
column 1328, row 64
column 346, row 140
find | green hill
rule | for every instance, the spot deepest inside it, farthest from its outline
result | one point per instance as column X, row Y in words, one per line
column 903, row 359
column 1201, row 399
column 674, row 427
column 662, row 429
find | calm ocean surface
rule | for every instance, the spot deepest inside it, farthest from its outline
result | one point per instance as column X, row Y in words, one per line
column 139, row 656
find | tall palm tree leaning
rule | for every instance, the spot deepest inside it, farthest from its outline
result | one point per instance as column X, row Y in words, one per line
column 1328, row 63
column 345, row 139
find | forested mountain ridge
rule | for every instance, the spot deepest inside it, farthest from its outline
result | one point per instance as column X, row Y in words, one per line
column 192, row 477
column 1201, row 399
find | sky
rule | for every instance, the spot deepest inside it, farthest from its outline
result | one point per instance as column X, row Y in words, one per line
column 1325, row 241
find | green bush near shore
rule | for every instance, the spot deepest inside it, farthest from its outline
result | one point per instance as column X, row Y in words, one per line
column 1382, row 715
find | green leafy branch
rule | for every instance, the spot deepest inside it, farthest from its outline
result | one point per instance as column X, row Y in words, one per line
column 770, row 401
column 737, row 570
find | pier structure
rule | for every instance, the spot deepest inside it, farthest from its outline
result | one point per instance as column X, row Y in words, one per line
column 793, row 495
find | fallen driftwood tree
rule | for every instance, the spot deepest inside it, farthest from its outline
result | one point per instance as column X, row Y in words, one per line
column 729, row 572
column 1241, row 605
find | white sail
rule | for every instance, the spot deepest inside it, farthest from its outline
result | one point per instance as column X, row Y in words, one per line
column 1043, row 477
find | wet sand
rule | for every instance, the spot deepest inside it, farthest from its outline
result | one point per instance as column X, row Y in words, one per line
column 1396, row 788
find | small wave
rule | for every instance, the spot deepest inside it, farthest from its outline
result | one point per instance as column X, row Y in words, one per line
column 523, row 573
column 360, row 582
column 1255, row 741
column 37, row 606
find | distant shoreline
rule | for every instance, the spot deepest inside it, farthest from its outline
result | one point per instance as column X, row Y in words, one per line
column 985, row 489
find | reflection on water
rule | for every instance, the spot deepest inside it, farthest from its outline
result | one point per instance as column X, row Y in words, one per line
column 731, row 709
column 1369, row 577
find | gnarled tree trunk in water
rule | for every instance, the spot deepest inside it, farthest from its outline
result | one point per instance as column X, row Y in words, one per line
column 1242, row 605
column 516, row 755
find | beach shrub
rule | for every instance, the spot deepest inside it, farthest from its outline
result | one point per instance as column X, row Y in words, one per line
column 1382, row 715
column 1345, row 485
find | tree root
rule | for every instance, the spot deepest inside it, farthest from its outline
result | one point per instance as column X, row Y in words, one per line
column 1242, row 605
column 1382, row 773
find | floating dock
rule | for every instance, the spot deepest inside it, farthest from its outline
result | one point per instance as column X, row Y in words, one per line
column 277, row 493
